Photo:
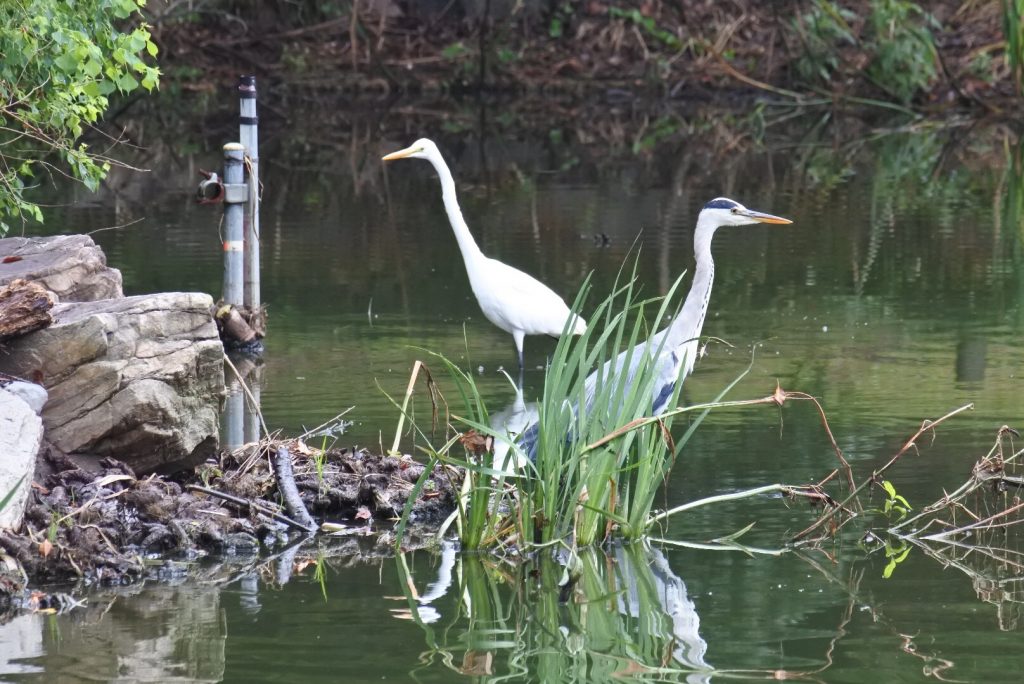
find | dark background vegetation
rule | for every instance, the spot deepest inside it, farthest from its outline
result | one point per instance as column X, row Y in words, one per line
column 925, row 56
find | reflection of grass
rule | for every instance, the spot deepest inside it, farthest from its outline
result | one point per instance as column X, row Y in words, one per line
column 320, row 573
column 623, row 612
column 1013, row 199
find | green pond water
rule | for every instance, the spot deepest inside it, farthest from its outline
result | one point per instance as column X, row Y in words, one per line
column 895, row 296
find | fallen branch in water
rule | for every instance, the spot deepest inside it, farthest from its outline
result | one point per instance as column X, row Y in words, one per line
column 289, row 492
column 790, row 490
column 875, row 475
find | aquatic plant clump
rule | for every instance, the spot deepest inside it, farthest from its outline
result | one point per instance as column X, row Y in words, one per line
column 597, row 455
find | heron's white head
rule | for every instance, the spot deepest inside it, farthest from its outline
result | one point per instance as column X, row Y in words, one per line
column 723, row 211
column 424, row 148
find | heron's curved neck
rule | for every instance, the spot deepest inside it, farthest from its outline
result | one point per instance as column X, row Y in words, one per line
column 688, row 324
column 467, row 245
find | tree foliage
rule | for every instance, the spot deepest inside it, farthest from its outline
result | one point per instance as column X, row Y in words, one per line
column 60, row 61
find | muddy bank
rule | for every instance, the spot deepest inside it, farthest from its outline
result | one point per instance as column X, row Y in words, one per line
column 108, row 526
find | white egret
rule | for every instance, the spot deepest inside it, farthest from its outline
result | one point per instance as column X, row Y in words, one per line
column 676, row 344
column 516, row 302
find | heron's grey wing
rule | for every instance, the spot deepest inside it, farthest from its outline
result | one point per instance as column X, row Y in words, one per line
column 667, row 369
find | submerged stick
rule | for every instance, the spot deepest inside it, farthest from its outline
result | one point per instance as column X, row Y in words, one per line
column 987, row 524
column 719, row 546
column 732, row 496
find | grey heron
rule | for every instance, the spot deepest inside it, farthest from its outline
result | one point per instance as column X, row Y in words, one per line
column 676, row 344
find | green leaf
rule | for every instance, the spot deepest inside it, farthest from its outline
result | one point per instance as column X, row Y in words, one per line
column 127, row 83
column 67, row 63
column 137, row 41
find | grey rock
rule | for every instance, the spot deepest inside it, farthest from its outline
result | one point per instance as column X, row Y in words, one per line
column 71, row 266
column 21, row 433
column 138, row 378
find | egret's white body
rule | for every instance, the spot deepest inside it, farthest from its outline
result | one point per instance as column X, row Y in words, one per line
column 514, row 301
column 675, row 346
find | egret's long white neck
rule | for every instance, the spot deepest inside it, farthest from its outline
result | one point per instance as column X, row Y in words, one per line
column 467, row 245
column 688, row 324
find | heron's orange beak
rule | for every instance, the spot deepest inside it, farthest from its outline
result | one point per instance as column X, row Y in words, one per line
column 764, row 218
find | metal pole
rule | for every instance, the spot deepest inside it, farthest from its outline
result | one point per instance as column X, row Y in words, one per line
column 234, row 214
column 247, row 130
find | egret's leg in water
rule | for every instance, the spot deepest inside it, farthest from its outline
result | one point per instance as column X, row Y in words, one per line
column 518, row 336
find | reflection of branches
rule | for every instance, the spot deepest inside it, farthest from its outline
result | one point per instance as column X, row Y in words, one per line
column 996, row 572
column 934, row 665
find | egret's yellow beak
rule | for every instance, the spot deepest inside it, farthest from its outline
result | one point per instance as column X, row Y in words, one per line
column 758, row 216
column 402, row 154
